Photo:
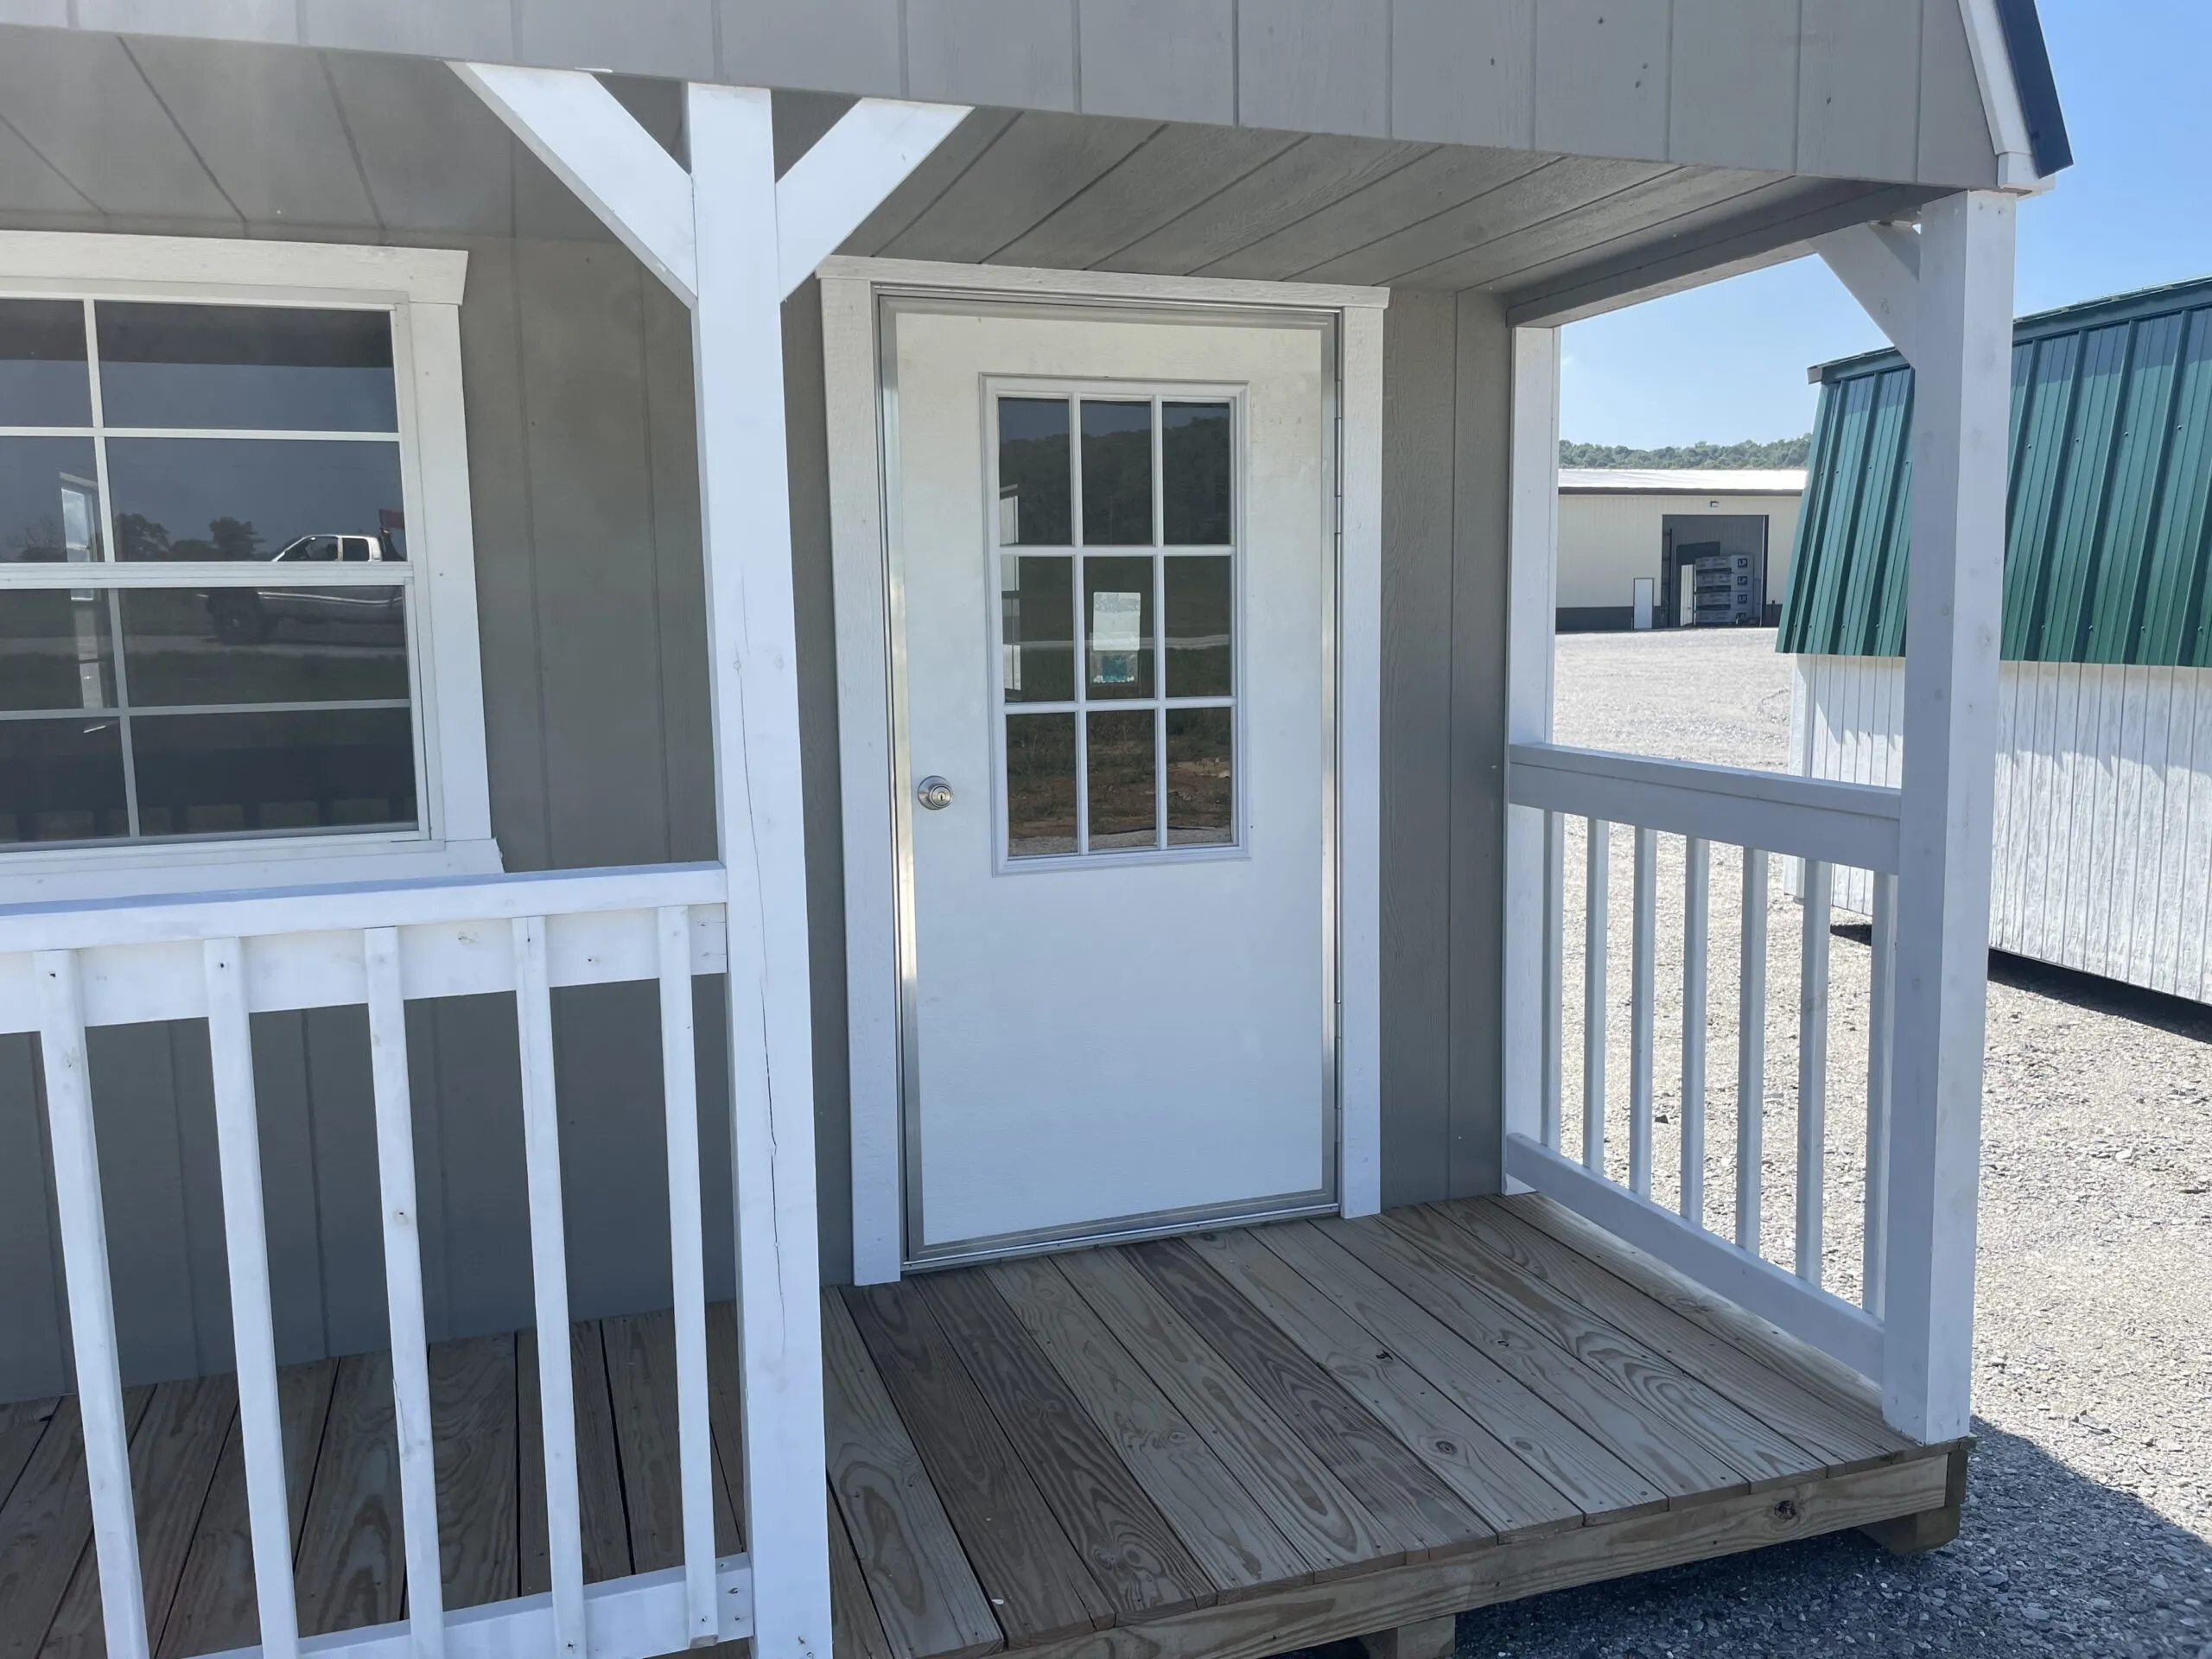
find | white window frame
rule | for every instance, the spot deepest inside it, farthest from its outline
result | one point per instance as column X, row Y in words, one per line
column 422, row 288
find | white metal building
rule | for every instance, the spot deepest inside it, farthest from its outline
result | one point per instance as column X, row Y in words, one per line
column 1630, row 538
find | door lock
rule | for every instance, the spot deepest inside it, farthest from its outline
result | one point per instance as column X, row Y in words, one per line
column 933, row 793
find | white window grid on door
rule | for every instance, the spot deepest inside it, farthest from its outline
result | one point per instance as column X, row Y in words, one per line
column 1158, row 550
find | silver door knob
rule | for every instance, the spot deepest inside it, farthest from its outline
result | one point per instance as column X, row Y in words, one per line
column 933, row 793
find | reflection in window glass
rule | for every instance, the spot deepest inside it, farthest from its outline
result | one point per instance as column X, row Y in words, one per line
column 272, row 368
column 240, row 499
column 1198, row 626
column 237, row 773
column 1118, row 627
column 1124, row 796
column 1034, row 472
column 275, row 644
column 1037, row 619
column 1117, row 474
column 43, row 381
column 56, row 650
column 1201, row 781
column 62, row 780
column 1194, row 474
column 1039, row 784
column 49, row 501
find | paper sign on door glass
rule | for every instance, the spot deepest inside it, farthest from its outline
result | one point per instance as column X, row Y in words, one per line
column 1116, row 635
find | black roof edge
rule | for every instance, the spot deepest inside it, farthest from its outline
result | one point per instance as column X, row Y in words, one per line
column 2137, row 303
column 2048, row 143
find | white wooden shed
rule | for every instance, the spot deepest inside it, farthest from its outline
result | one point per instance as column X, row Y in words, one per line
column 780, row 862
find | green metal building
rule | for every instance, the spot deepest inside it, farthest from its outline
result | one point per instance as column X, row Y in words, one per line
column 2104, row 784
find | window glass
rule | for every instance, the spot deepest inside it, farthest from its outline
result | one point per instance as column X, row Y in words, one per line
column 1039, row 784
column 272, row 368
column 1199, row 626
column 1037, row 623
column 269, row 644
column 1118, row 627
column 43, row 380
column 49, row 501
column 57, row 648
column 264, row 770
column 1194, row 481
column 1116, row 474
column 1124, row 797
column 1201, row 785
column 1034, row 472
column 243, row 498
column 61, row 780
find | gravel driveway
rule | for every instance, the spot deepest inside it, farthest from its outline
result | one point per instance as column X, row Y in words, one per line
column 2088, row 1523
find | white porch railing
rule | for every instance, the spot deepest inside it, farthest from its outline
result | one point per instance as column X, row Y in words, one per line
column 66, row 968
column 1828, row 826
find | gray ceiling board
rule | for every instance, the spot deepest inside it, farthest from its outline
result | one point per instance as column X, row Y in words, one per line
column 1623, row 245
column 1447, row 177
column 265, row 121
column 28, row 183
column 800, row 119
column 546, row 210
column 1303, row 180
column 939, row 170
column 1038, row 164
column 1560, row 187
column 436, row 159
column 80, row 101
column 1500, row 260
column 1771, row 236
column 1173, row 171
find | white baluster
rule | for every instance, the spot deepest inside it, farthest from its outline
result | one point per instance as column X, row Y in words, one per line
column 1597, row 901
column 1880, row 1029
column 549, row 1278
column 1553, row 971
column 1697, row 911
column 1750, row 1053
column 687, row 1256
column 91, row 1299
column 403, row 1279
column 1813, row 1071
column 1642, row 971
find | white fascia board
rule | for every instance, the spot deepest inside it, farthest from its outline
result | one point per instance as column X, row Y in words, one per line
column 2000, row 98
column 96, row 258
column 848, row 171
column 580, row 130
column 1880, row 264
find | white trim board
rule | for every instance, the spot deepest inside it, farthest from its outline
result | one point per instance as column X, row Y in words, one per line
column 852, row 375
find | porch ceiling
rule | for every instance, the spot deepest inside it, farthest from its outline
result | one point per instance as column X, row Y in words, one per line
column 171, row 135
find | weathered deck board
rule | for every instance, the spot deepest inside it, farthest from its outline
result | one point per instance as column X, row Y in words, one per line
column 1220, row 1447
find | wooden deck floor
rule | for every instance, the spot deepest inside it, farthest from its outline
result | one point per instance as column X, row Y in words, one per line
column 1229, row 1445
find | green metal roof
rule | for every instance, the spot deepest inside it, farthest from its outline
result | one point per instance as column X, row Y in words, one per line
column 2110, row 513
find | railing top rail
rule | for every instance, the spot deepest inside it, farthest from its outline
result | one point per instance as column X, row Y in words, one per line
column 188, row 918
column 1852, row 825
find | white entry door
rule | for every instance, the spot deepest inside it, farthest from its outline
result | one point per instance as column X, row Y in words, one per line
column 1113, row 551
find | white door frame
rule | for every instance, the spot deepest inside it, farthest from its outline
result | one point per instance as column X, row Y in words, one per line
column 873, row 923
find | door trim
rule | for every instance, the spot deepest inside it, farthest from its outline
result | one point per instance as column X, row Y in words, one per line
column 868, row 755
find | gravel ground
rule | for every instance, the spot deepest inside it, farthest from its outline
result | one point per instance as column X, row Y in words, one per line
column 2088, row 1523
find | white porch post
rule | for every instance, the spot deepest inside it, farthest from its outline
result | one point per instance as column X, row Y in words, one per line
column 1531, row 614
column 1961, row 351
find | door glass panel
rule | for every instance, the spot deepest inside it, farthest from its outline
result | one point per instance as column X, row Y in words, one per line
column 43, row 380
column 1199, row 626
column 1034, row 472
column 272, row 645
column 246, row 367
column 1194, row 480
column 1037, row 624
column 1117, row 611
column 1124, row 805
column 56, row 650
column 1116, row 474
column 62, row 780
column 231, row 773
column 231, row 498
column 1039, row 784
column 49, row 501
column 1201, row 783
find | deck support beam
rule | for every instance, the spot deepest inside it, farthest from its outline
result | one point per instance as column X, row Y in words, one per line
column 1427, row 1639
column 731, row 241
column 1955, row 598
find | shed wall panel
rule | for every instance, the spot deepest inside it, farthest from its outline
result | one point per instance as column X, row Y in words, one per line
column 1124, row 73
column 1463, row 75
column 846, row 45
column 1733, row 92
column 1313, row 66
column 1601, row 71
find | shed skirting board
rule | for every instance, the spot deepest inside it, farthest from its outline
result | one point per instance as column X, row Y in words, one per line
column 2103, row 833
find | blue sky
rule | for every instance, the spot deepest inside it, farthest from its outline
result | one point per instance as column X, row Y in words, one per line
column 1728, row 361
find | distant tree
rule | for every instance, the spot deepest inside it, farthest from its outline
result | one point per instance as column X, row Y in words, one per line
column 137, row 536
column 1750, row 454
column 234, row 539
